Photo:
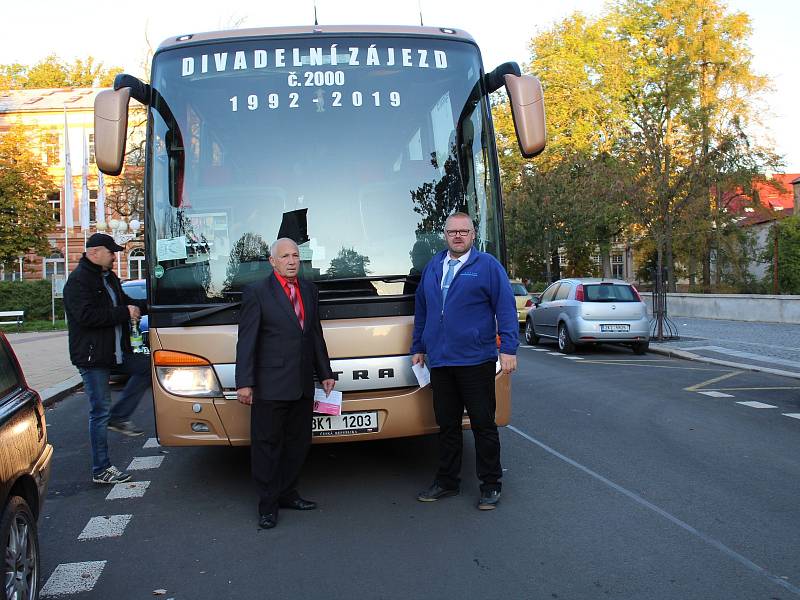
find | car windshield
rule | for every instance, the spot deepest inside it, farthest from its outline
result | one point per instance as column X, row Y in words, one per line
column 519, row 289
column 358, row 153
column 609, row 292
column 135, row 289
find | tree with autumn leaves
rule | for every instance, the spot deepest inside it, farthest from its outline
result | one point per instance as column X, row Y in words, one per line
column 25, row 216
column 650, row 109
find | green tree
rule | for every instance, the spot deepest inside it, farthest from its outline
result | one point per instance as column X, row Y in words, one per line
column 25, row 217
column 53, row 72
column 787, row 262
column 348, row 263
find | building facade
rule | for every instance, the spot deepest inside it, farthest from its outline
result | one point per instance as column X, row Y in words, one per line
column 58, row 121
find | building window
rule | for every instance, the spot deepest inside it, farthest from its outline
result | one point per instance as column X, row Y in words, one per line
column 137, row 264
column 51, row 148
column 92, row 206
column 91, row 149
column 54, row 200
column 54, row 266
column 617, row 266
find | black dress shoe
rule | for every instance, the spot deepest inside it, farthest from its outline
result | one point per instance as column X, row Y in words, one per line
column 298, row 504
column 267, row 521
column 435, row 492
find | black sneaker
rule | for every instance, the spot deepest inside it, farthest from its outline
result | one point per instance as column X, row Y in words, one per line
column 436, row 492
column 125, row 428
column 489, row 500
column 112, row 475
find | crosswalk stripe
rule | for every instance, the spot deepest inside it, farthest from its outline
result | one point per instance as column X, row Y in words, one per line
column 103, row 527
column 141, row 463
column 131, row 489
column 151, row 443
column 792, row 415
column 754, row 404
column 716, row 394
column 71, row 578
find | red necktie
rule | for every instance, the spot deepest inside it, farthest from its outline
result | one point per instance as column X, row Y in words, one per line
column 295, row 302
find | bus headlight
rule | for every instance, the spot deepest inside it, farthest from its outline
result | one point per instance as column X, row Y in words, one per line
column 185, row 374
column 189, row 381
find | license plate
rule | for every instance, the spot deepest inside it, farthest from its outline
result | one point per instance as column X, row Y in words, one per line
column 344, row 424
column 615, row 327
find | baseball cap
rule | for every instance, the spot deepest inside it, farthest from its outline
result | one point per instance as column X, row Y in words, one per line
column 103, row 239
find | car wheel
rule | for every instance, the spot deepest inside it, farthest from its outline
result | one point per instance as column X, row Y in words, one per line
column 530, row 333
column 21, row 565
column 640, row 347
column 565, row 344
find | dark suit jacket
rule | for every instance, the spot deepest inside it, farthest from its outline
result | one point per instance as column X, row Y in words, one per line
column 273, row 355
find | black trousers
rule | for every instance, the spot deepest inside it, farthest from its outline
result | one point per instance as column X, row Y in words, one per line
column 280, row 435
column 470, row 388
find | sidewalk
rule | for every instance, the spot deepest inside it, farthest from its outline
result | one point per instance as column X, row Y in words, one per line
column 44, row 358
column 768, row 347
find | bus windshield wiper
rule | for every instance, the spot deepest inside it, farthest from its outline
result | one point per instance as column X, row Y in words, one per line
column 206, row 312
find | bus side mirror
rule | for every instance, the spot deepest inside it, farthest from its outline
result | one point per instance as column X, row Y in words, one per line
column 527, row 110
column 111, row 129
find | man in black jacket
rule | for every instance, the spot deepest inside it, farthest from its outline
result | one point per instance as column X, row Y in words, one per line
column 279, row 349
column 99, row 315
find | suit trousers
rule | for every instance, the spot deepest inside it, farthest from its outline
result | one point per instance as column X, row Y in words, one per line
column 471, row 388
column 280, row 433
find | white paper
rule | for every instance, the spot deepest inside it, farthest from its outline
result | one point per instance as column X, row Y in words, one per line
column 171, row 248
column 422, row 374
column 327, row 405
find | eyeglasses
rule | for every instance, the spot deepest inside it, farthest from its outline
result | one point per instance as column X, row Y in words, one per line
column 455, row 232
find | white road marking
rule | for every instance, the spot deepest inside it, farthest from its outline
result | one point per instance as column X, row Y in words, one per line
column 793, row 415
column 754, row 404
column 716, row 394
column 102, row 527
column 555, row 354
column 540, row 349
column 751, row 355
column 71, row 578
column 573, row 357
column 711, row 541
column 141, row 463
column 131, row 489
column 152, row 443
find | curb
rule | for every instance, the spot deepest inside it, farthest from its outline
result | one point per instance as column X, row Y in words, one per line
column 55, row 393
column 673, row 352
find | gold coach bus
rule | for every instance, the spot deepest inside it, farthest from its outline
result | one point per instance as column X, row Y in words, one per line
column 356, row 142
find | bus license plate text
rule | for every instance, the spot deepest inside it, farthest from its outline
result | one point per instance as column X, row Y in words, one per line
column 344, row 424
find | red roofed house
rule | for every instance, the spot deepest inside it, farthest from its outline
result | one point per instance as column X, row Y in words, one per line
column 770, row 202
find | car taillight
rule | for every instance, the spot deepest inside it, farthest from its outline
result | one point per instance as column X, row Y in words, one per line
column 636, row 293
column 529, row 303
column 579, row 293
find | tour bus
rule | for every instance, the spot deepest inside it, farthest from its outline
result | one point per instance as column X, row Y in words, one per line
column 356, row 142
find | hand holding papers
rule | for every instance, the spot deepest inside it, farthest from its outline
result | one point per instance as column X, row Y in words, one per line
column 327, row 405
column 422, row 374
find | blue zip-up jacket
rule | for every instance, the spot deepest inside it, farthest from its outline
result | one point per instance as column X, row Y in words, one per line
column 479, row 305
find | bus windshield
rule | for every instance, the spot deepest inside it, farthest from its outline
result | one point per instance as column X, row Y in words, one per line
column 357, row 148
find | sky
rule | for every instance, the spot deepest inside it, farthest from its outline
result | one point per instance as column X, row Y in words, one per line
column 119, row 33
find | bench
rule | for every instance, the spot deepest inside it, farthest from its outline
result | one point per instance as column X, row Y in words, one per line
column 14, row 317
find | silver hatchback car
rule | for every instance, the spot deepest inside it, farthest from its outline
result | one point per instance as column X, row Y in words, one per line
column 589, row 311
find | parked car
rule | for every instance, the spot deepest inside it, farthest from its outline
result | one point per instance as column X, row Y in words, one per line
column 25, row 469
column 589, row 311
column 522, row 298
column 137, row 289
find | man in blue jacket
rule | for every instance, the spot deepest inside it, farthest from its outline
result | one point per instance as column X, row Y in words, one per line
column 463, row 301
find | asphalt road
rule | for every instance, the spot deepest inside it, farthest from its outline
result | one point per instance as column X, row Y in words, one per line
column 622, row 480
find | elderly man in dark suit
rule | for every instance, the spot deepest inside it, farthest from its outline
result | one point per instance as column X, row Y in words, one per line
column 280, row 347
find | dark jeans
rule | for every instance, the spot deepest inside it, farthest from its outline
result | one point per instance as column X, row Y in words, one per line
column 280, row 435
column 95, row 384
column 470, row 388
